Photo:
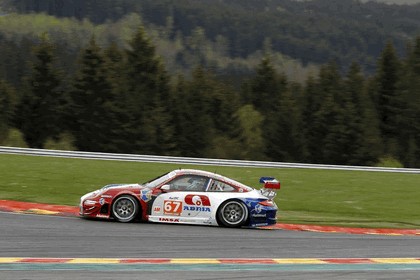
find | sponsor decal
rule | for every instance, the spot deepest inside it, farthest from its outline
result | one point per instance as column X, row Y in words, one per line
column 259, row 215
column 174, row 198
column 197, row 200
column 261, row 225
column 101, row 216
column 157, row 209
column 257, row 209
column 146, row 195
column 102, row 201
column 172, row 207
column 172, row 220
column 197, row 208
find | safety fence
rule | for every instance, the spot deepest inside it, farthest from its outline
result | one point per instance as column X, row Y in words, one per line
column 196, row 161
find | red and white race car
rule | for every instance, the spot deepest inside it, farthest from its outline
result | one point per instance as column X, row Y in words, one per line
column 186, row 196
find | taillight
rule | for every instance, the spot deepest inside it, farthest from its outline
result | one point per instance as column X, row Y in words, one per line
column 267, row 203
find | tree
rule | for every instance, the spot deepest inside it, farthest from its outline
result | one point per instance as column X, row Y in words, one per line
column 266, row 87
column 409, row 90
column 363, row 145
column 149, row 128
column 311, row 101
column 203, row 110
column 40, row 109
column 322, row 125
column 281, row 131
column 7, row 107
column 201, row 128
column 91, row 98
column 268, row 95
column 388, row 99
column 221, row 103
column 250, row 134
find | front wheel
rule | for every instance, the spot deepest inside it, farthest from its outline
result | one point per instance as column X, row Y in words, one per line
column 125, row 208
column 232, row 214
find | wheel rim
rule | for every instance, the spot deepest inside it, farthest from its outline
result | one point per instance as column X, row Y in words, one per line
column 124, row 208
column 233, row 213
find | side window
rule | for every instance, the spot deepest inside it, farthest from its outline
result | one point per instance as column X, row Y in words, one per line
column 188, row 183
column 217, row 186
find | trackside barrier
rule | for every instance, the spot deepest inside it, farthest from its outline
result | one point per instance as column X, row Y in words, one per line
column 197, row 161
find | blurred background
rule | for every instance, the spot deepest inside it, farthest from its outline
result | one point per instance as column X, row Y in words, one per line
column 322, row 81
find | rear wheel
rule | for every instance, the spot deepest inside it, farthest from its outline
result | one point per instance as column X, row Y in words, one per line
column 125, row 208
column 233, row 214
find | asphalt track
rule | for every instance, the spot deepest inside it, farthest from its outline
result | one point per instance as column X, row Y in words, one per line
column 41, row 236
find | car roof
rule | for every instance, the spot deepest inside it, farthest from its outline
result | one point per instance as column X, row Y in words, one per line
column 212, row 175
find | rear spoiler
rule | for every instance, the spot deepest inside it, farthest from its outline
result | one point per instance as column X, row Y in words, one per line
column 271, row 185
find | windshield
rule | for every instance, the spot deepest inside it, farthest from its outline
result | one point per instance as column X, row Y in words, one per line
column 159, row 180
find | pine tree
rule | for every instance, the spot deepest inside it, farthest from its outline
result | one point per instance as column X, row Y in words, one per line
column 115, row 64
column 282, row 131
column 179, row 111
column 199, row 127
column 363, row 146
column 268, row 96
column 322, row 119
column 149, row 128
column 266, row 87
column 311, row 102
column 352, row 136
column 222, row 103
column 409, row 89
column 7, row 106
column 388, row 99
column 40, row 111
column 91, row 95
column 203, row 110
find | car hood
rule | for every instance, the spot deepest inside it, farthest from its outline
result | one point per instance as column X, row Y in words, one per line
column 105, row 189
column 121, row 186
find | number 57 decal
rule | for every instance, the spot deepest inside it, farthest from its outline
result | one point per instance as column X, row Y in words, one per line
column 171, row 207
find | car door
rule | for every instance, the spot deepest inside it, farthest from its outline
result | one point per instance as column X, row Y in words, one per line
column 183, row 200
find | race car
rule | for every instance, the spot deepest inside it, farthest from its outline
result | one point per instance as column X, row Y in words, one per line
column 186, row 196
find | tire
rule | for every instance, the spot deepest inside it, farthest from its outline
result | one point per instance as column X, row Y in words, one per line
column 232, row 214
column 125, row 208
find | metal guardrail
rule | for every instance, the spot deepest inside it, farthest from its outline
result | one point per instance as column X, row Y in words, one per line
column 197, row 161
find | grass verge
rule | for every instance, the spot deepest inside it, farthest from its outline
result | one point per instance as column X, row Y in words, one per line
column 307, row 196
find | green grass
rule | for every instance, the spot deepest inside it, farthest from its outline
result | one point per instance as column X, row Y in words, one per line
column 327, row 197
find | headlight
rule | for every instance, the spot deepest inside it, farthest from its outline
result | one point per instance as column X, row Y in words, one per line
column 89, row 202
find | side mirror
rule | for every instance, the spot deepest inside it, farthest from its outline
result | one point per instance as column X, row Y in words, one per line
column 165, row 188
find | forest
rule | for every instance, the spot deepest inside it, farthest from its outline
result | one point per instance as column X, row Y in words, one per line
column 175, row 78
column 309, row 31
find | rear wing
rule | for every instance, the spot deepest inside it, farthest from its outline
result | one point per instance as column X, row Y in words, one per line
column 271, row 185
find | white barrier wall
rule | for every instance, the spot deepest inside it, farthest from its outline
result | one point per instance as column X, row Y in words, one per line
column 197, row 161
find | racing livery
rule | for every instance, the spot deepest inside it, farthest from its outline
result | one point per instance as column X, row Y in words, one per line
column 185, row 196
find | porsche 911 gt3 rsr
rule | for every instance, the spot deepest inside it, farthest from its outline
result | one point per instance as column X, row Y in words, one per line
column 185, row 196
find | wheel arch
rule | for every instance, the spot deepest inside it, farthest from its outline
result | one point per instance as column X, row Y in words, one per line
column 125, row 193
column 238, row 199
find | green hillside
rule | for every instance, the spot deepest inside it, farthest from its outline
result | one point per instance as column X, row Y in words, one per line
column 323, row 81
column 308, row 31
